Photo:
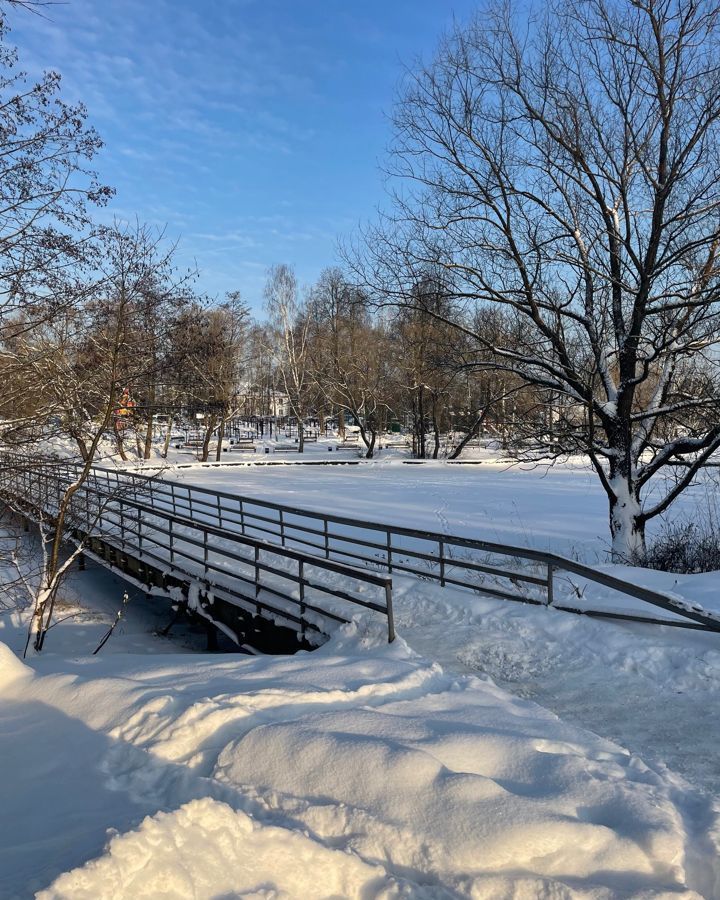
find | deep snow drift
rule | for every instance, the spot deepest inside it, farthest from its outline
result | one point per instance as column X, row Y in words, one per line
column 358, row 770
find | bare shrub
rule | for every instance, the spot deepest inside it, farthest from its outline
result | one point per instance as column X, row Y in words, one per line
column 685, row 547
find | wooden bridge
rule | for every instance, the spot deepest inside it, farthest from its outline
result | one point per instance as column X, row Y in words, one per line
column 258, row 569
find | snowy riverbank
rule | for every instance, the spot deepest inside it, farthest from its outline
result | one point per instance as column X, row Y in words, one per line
column 421, row 769
column 358, row 770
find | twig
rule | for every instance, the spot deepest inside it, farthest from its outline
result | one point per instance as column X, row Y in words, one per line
column 110, row 630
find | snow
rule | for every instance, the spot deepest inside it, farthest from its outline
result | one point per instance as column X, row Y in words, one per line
column 243, row 774
column 11, row 669
column 562, row 509
column 649, row 688
column 425, row 768
column 197, row 851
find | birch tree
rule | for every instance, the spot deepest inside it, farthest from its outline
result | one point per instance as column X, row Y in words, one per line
column 292, row 328
column 562, row 163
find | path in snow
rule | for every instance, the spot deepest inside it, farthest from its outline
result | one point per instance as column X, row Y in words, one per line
column 650, row 689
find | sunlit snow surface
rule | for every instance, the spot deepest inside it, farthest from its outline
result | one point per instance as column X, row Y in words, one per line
column 363, row 770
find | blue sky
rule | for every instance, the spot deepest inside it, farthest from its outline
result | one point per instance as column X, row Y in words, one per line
column 251, row 129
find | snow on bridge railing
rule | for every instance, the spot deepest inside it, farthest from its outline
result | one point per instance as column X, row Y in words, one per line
column 245, row 570
column 448, row 559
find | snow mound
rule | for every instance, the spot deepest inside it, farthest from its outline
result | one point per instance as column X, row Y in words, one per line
column 374, row 774
column 11, row 669
column 205, row 849
column 467, row 788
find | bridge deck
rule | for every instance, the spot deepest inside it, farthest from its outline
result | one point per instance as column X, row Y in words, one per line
column 229, row 578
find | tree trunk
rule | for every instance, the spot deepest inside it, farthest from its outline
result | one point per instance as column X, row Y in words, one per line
column 119, row 441
column 206, row 439
column 369, row 443
column 82, row 446
column 147, row 449
column 221, row 436
column 627, row 525
column 166, row 442
column 421, row 424
column 150, row 406
column 436, row 431
column 472, row 431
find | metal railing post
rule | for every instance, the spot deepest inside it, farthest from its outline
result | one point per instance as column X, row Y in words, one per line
column 257, row 576
column 550, row 585
column 390, row 616
column 301, row 583
column 122, row 523
column 441, row 552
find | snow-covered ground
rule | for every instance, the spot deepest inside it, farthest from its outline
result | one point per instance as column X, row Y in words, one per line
column 561, row 508
column 590, row 672
column 420, row 769
column 360, row 770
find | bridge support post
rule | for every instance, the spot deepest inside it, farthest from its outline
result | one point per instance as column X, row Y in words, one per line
column 212, row 642
column 301, row 581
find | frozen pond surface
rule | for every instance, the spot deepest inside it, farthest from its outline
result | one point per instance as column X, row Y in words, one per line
column 562, row 508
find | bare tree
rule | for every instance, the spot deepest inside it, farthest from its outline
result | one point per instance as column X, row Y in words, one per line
column 45, row 187
column 208, row 351
column 350, row 356
column 566, row 168
column 336, row 309
column 84, row 360
column 291, row 326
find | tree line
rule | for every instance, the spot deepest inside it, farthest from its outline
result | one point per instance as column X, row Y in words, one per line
column 545, row 267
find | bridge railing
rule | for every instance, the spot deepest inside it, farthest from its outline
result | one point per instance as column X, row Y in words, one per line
column 498, row 570
column 282, row 583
